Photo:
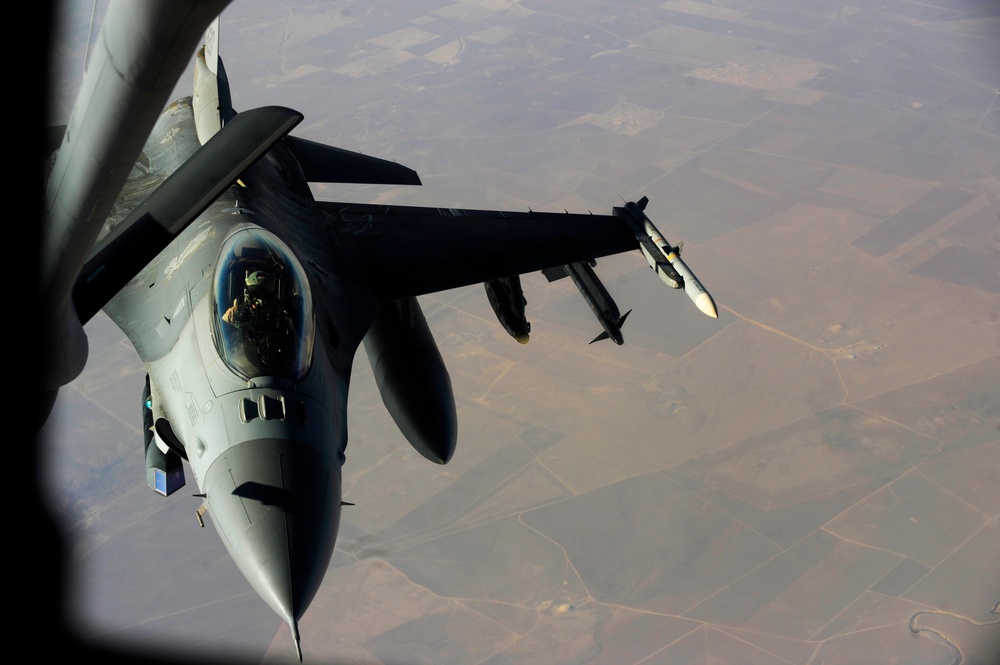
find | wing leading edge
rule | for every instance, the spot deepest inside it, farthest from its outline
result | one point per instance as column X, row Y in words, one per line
column 412, row 251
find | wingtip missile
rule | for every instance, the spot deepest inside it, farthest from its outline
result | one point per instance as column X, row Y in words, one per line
column 692, row 286
column 665, row 259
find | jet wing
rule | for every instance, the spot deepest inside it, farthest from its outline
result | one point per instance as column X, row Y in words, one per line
column 412, row 251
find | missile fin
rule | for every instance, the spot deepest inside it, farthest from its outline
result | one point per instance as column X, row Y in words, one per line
column 603, row 335
column 606, row 335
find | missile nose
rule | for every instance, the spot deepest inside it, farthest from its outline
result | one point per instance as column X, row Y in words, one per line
column 276, row 505
column 522, row 338
column 706, row 305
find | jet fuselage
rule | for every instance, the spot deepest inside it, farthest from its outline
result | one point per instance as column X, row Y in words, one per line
column 257, row 403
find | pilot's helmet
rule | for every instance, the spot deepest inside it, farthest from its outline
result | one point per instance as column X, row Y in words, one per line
column 260, row 283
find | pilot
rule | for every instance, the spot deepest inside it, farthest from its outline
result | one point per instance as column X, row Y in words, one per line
column 260, row 286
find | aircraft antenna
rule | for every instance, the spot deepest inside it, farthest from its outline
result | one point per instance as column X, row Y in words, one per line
column 295, row 638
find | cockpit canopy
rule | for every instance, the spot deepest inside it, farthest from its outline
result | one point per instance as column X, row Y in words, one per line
column 263, row 323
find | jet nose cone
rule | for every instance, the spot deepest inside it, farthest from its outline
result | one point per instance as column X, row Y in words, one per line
column 276, row 505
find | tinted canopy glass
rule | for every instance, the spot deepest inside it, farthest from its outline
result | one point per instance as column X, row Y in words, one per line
column 263, row 323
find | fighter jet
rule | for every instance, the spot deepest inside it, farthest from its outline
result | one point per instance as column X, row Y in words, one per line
column 194, row 228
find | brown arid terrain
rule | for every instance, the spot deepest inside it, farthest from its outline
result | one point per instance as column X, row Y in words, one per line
column 812, row 478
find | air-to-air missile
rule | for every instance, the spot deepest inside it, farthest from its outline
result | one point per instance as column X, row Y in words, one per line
column 663, row 258
column 593, row 291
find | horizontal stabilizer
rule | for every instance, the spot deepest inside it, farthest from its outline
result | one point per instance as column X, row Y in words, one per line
column 324, row 163
column 176, row 203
